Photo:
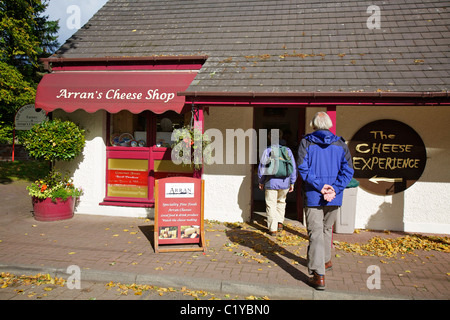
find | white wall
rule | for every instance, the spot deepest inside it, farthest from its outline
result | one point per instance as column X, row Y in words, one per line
column 228, row 186
column 424, row 206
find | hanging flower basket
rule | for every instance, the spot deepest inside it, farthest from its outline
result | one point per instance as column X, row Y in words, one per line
column 190, row 147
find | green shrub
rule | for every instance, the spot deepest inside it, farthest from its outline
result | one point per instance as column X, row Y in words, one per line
column 54, row 140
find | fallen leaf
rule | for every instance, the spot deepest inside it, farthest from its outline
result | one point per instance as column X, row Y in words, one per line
column 72, row 252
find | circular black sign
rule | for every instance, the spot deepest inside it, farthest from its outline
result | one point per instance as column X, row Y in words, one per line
column 388, row 156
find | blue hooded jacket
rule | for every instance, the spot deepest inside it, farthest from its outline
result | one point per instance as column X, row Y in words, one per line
column 324, row 158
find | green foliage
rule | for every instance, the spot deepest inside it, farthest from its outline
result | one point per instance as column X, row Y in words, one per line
column 15, row 92
column 25, row 36
column 54, row 140
column 54, row 186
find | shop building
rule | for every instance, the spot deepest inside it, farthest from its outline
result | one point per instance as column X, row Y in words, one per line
column 139, row 69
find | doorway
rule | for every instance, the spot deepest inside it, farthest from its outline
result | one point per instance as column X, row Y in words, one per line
column 291, row 122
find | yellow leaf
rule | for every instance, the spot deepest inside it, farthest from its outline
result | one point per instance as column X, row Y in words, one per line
column 115, row 235
column 48, row 289
column 72, row 252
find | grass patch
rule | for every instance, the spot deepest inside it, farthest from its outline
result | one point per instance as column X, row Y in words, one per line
column 23, row 170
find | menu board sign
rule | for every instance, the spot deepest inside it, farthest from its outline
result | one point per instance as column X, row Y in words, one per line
column 388, row 156
column 179, row 213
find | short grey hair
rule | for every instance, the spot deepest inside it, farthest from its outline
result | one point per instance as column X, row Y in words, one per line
column 321, row 121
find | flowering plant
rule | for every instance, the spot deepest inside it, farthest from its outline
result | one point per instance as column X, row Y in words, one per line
column 54, row 186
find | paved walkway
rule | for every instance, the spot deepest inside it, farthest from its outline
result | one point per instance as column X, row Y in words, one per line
column 240, row 259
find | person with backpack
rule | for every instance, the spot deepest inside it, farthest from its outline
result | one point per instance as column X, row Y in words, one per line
column 325, row 166
column 277, row 175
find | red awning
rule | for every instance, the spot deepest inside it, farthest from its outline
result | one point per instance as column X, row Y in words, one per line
column 113, row 91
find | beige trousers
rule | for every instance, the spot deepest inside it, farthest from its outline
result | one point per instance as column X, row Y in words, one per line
column 275, row 207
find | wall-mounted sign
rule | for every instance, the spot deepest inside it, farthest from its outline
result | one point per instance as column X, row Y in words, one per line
column 179, row 214
column 388, row 156
column 27, row 117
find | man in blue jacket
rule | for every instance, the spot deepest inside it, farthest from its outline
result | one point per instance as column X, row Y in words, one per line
column 325, row 165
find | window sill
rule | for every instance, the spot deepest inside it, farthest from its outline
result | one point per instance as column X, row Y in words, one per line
column 146, row 204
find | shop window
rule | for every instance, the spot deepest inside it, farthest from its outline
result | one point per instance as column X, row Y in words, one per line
column 165, row 124
column 128, row 129
column 131, row 170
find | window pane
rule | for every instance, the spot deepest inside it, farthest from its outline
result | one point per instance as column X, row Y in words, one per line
column 166, row 123
column 128, row 129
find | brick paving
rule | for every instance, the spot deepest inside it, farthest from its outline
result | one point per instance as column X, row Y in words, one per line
column 240, row 256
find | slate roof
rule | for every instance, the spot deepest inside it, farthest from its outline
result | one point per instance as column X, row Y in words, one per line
column 281, row 45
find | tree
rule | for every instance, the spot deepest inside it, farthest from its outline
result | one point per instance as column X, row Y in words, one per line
column 25, row 36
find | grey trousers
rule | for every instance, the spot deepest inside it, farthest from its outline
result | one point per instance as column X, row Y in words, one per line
column 319, row 222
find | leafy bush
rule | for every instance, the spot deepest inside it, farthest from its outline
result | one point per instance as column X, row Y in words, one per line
column 54, row 140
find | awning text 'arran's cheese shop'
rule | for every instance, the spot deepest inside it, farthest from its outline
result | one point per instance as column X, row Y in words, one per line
column 113, row 91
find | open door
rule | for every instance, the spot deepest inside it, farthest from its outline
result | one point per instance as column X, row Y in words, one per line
column 291, row 121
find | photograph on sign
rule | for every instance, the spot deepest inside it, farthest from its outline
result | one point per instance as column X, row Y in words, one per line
column 388, row 156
